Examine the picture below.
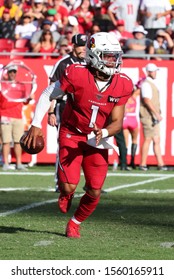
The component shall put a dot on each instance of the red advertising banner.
(134, 68)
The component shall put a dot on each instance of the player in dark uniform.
(77, 56)
(97, 94)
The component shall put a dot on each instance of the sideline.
(109, 174)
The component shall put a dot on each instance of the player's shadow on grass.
(11, 230)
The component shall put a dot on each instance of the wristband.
(105, 133)
(51, 113)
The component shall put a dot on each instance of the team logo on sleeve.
(112, 99)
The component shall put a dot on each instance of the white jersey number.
(93, 115)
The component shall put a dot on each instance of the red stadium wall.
(135, 69)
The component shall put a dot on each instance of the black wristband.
(51, 113)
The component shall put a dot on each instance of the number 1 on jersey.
(93, 115)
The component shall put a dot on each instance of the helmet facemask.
(104, 53)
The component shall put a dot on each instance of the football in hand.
(38, 148)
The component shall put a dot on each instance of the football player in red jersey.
(97, 94)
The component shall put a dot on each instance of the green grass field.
(133, 221)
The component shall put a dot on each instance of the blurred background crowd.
(47, 26)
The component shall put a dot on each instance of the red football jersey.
(86, 103)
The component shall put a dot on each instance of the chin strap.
(93, 60)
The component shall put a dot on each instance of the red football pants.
(74, 154)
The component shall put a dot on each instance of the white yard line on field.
(30, 206)
(154, 191)
(143, 174)
(26, 207)
(14, 189)
(139, 183)
(15, 172)
(109, 174)
(34, 205)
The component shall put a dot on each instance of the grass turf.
(133, 221)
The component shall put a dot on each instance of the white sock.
(75, 221)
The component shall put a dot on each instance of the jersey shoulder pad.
(127, 81)
(74, 69)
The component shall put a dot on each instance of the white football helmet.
(104, 53)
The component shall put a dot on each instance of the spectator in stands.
(127, 10)
(50, 15)
(120, 33)
(38, 10)
(170, 26)
(84, 15)
(163, 44)
(7, 25)
(61, 17)
(46, 25)
(25, 28)
(73, 22)
(150, 117)
(102, 18)
(154, 15)
(95, 28)
(15, 11)
(17, 2)
(62, 49)
(172, 17)
(46, 43)
(68, 34)
(170, 31)
(69, 4)
(26, 5)
(93, 3)
(139, 45)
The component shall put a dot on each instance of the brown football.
(39, 145)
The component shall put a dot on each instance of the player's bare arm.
(117, 116)
(114, 127)
(51, 115)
